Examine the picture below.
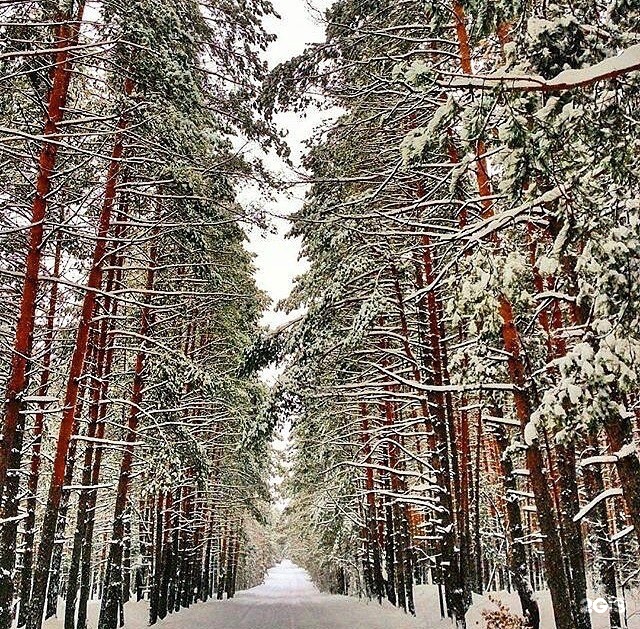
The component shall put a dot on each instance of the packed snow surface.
(288, 600)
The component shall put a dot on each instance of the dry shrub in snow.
(502, 617)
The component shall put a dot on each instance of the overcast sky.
(277, 256)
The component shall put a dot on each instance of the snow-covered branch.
(610, 68)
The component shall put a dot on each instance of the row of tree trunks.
(100, 145)
(66, 431)
(372, 555)
(619, 432)
(551, 543)
(228, 563)
(397, 545)
(565, 482)
(457, 592)
(186, 567)
(66, 34)
(564, 601)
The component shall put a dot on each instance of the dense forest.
(460, 369)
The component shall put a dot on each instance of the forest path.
(289, 600)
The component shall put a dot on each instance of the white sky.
(276, 255)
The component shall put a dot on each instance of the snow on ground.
(286, 600)
(289, 600)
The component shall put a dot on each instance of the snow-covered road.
(289, 600)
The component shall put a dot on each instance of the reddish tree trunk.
(563, 602)
(66, 35)
(95, 430)
(113, 583)
(88, 504)
(567, 500)
(464, 50)
(447, 464)
(34, 469)
(556, 577)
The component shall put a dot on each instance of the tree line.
(134, 455)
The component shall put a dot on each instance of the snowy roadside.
(426, 598)
(287, 599)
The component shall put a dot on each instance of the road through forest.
(288, 600)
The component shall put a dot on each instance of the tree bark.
(66, 35)
(113, 585)
(619, 433)
(34, 470)
(573, 542)
(370, 512)
(95, 429)
(552, 546)
(516, 554)
(154, 599)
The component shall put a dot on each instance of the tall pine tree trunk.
(568, 501)
(552, 546)
(606, 560)
(112, 598)
(371, 511)
(456, 582)
(516, 554)
(82, 543)
(154, 599)
(563, 602)
(89, 497)
(573, 542)
(34, 469)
